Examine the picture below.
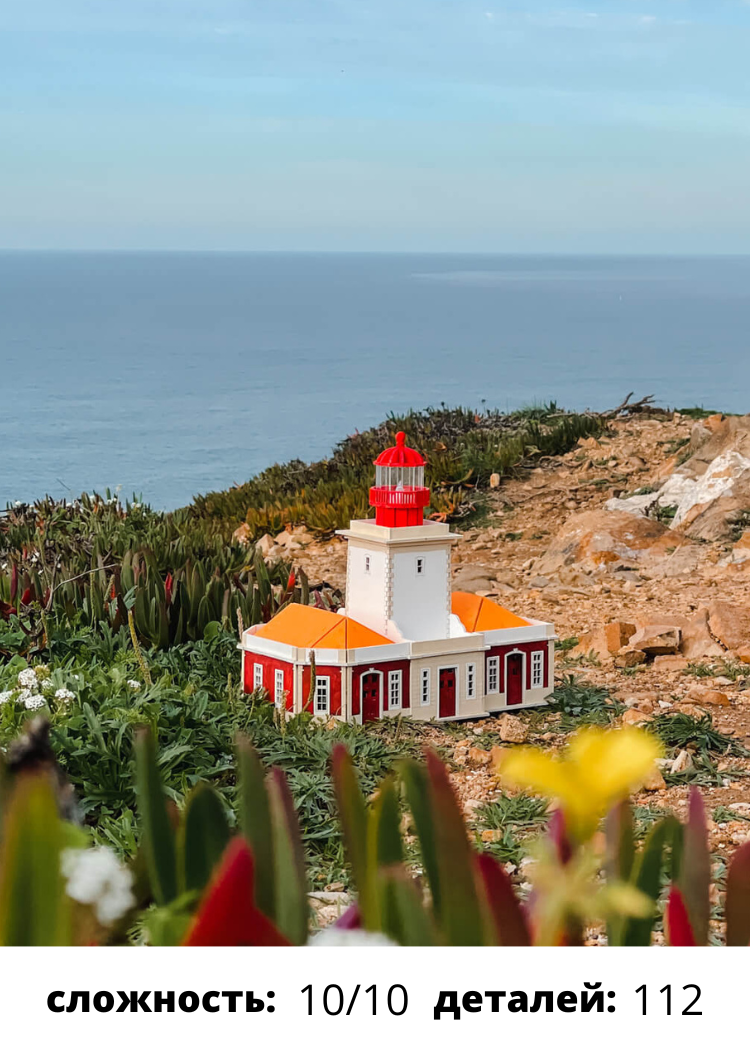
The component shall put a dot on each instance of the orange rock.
(655, 781)
(479, 757)
(618, 634)
(633, 717)
(629, 657)
(657, 639)
(670, 663)
(715, 698)
(730, 624)
(492, 835)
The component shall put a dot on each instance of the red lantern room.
(399, 495)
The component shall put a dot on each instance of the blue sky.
(425, 125)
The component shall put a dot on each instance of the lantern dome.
(399, 494)
(399, 455)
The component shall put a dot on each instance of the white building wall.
(367, 586)
(420, 602)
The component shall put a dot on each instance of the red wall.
(394, 665)
(269, 665)
(524, 647)
(335, 675)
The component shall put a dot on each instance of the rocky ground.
(637, 547)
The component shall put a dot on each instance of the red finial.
(401, 438)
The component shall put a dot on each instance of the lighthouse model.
(404, 644)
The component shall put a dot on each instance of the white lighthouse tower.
(398, 575)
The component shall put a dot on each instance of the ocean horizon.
(171, 373)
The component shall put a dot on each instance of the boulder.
(601, 540)
(479, 757)
(713, 697)
(472, 578)
(657, 640)
(730, 624)
(512, 730)
(670, 663)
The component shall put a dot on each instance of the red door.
(515, 678)
(370, 697)
(447, 700)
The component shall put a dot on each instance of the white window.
(394, 689)
(493, 674)
(322, 694)
(471, 681)
(278, 692)
(419, 564)
(257, 676)
(425, 686)
(537, 669)
(367, 562)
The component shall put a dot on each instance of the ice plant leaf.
(158, 834)
(677, 922)
(461, 913)
(353, 817)
(204, 837)
(417, 786)
(291, 878)
(385, 817)
(403, 916)
(227, 916)
(256, 824)
(34, 910)
(510, 921)
(737, 905)
(646, 877)
(695, 876)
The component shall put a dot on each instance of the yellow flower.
(598, 768)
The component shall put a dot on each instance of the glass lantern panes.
(399, 477)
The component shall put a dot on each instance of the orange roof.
(480, 614)
(306, 627)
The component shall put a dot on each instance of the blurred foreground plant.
(198, 881)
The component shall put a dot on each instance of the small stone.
(494, 481)
(241, 534)
(709, 696)
(265, 544)
(471, 805)
(479, 757)
(630, 657)
(681, 763)
(492, 835)
(633, 717)
(512, 730)
(496, 755)
(655, 781)
(670, 663)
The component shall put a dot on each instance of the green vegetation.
(462, 449)
(579, 703)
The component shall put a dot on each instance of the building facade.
(404, 644)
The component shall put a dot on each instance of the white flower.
(48, 686)
(34, 702)
(64, 696)
(26, 678)
(335, 937)
(96, 877)
(6, 696)
(132, 684)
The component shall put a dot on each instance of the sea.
(167, 374)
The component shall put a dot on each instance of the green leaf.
(204, 835)
(256, 825)
(158, 834)
(404, 917)
(34, 910)
(387, 848)
(291, 878)
(461, 912)
(646, 876)
(353, 817)
(737, 905)
(417, 788)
